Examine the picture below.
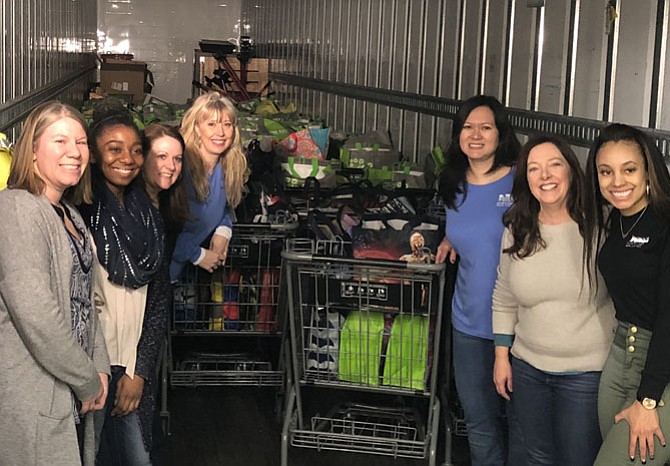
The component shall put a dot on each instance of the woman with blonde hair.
(53, 360)
(215, 177)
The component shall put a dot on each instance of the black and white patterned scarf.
(129, 238)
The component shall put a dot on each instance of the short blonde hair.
(233, 161)
(22, 173)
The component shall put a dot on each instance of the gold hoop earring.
(648, 189)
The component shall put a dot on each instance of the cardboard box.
(124, 77)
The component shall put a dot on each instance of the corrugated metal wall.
(571, 59)
(44, 53)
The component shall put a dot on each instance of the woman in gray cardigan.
(53, 360)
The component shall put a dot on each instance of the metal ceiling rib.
(578, 131)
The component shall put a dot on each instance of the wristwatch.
(648, 403)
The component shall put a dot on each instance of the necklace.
(625, 235)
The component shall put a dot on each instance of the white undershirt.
(121, 313)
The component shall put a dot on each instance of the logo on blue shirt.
(504, 200)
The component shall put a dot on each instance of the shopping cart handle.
(286, 226)
(386, 263)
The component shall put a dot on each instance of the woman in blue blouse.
(215, 177)
(476, 186)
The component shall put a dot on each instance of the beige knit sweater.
(544, 301)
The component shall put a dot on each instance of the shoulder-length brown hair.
(173, 202)
(22, 173)
(523, 217)
(233, 161)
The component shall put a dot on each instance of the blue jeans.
(119, 437)
(558, 415)
(494, 440)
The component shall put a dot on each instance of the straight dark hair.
(597, 217)
(453, 180)
(523, 217)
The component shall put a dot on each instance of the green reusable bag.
(360, 347)
(274, 128)
(297, 169)
(408, 176)
(407, 352)
(373, 156)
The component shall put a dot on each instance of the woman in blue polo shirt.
(476, 186)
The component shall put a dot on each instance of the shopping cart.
(368, 329)
(226, 328)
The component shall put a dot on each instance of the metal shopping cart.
(226, 327)
(367, 328)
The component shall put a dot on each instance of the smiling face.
(216, 134)
(548, 175)
(163, 163)
(479, 136)
(61, 156)
(119, 156)
(622, 176)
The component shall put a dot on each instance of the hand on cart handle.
(445, 250)
(219, 244)
(212, 261)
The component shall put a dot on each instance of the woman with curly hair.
(216, 171)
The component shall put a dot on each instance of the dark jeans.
(495, 440)
(120, 436)
(558, 415)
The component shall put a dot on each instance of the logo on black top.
(637, 241)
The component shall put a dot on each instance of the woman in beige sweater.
(557, 325)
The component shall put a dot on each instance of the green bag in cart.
(407, 353)
(297, 169)
(274, 128)
(373, 156)
(408, 176)
(360, 347)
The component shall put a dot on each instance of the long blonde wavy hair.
(233, 161)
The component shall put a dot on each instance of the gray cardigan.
(41, 363)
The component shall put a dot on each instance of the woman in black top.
(632, 242)
(128, 235)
